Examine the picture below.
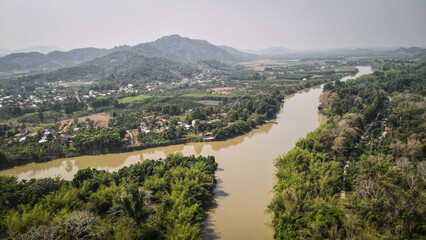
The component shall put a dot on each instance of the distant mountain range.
(37, 62)
(38, 48)
(174, 48)
(177, 49)
(272, 51)
(412, 52)
(280, 53)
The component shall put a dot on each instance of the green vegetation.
(209, 102)
(361, 176)
(163, 199)
(138, 98)
(87, 140)
(207, 95)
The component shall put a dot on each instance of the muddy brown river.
(245, 173)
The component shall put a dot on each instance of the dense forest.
(154, 199)
(361, 175)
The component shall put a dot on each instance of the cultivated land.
(100, 119)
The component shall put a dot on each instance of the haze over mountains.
(121, 66)
(37, 48)
(177, 49)
(272, 51)
(174, 47)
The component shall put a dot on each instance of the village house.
(43, 140)
(125, 141)
(49, 131)
(208, 136)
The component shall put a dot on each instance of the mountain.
(4, 52)
(27, 62)
(182, 49)
(166, 59)
(77, 56)
(38, 48)
(38, 62)
(174, 48)
(241, 55)
(120, 66)
(412, 52)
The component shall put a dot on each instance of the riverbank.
(359, 176)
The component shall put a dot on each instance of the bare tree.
(369, 189)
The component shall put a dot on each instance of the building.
(208, 136)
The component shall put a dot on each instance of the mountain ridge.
(173, 47)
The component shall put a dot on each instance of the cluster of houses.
(20, 100)
(65, 127)
(46, 94)
(22, 136)
(128, 89)
(45, 132)
(161, 121)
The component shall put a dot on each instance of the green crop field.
(134, 99)
(209, 102)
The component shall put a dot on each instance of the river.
(245, 173)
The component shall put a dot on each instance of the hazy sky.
(244, 24)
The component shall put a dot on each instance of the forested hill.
(128, 66)
(362, 175)
(37, 62)
(174, 48)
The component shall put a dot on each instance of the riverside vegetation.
(155, 199)
(361, 175)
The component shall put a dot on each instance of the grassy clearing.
(209, 102)
(208, 95)
(134, 99)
